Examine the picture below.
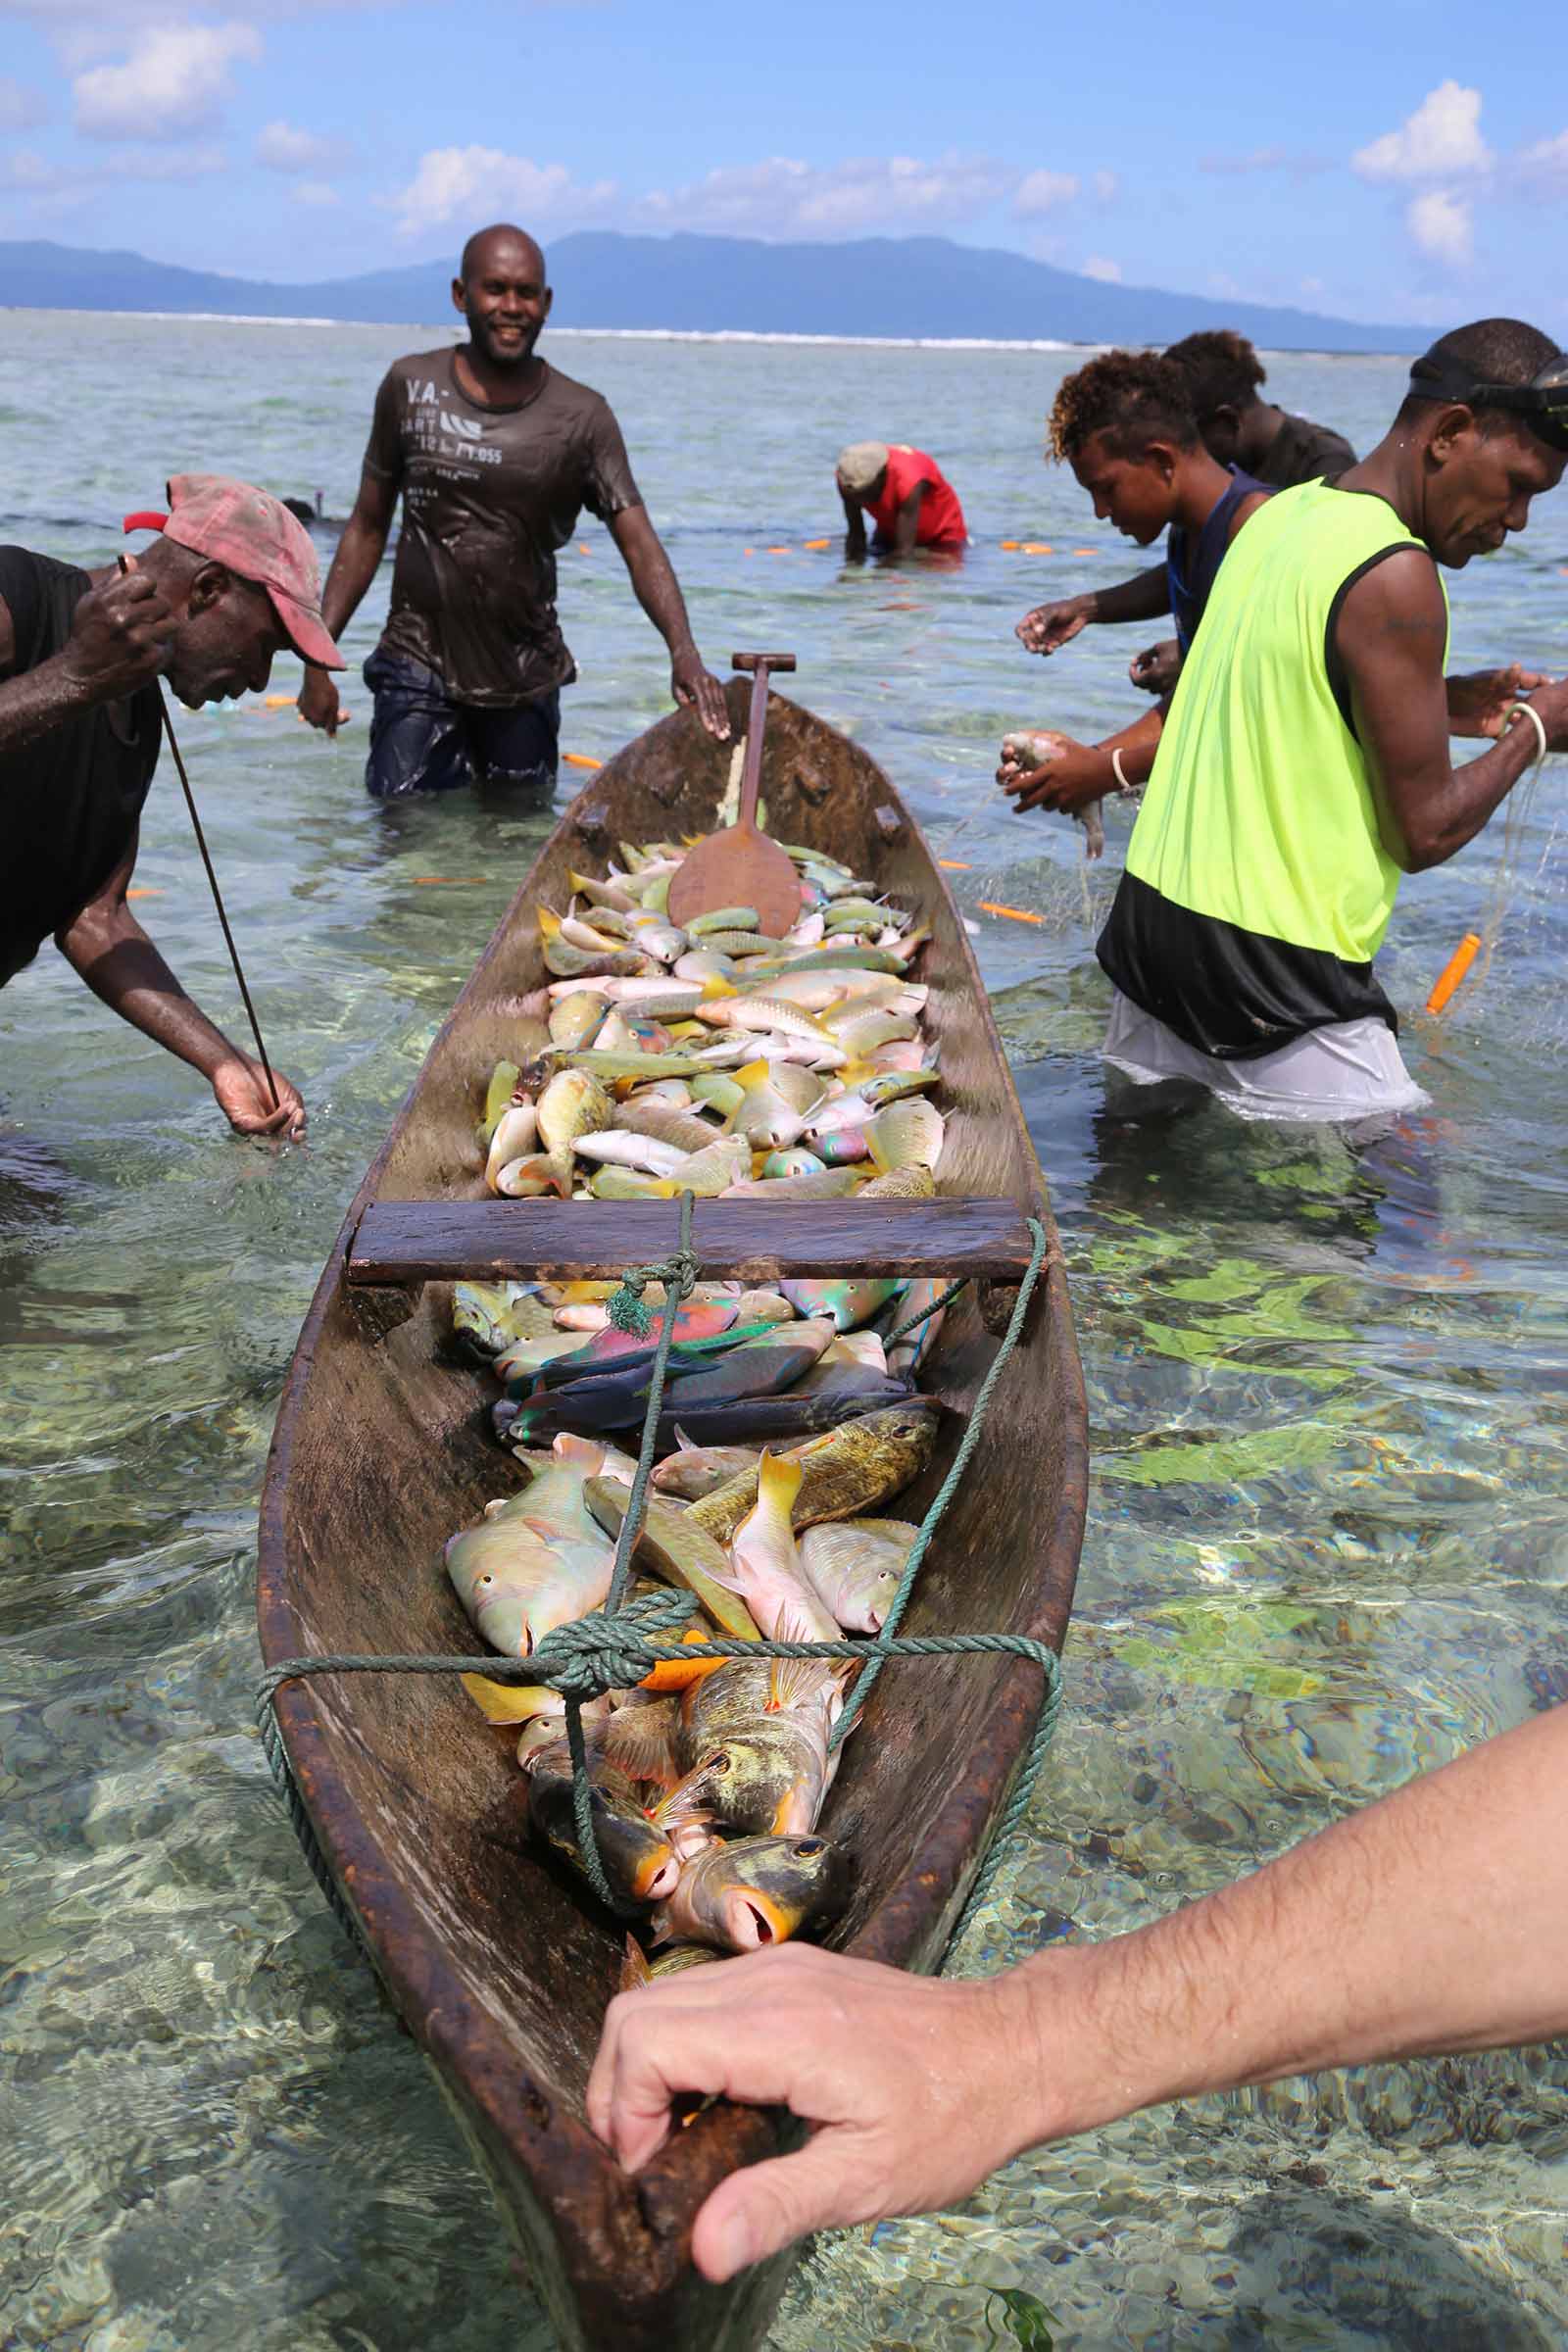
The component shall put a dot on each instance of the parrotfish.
(854, 1567)
(697, 1470)
(746, 1892)
(849, 1301)
(846, 1471)
(536, 1560)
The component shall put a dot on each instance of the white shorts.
(1348, 1070)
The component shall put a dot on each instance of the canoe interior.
(497, 1960)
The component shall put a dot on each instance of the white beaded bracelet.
(1527, 710)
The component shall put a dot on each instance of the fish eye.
(719, 1762)
(804, 1847)
(487, 1580)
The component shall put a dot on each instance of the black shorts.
(421, 741)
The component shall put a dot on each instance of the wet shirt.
(69, 800)
(489, 494)
(1303, 452)
(941, 521)
(1193, 560)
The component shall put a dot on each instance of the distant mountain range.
(875, 286)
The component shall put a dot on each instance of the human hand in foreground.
(1046, 769)
(696, 688)
(317, 704)
(1158, 668)
(243, 1098)
(1048, 627)
(121, 634)
(897, 2073)
(1479, 701)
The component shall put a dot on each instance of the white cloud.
(1109, 272)
(284, 148)
(317, 193)
(173, 81)
(54, 186)
(483, 180)
(19, 107)
(1441, 141)
(781, 198)
(1042, 192)
(1438, 221)
(1548, 160)
(1105, 186)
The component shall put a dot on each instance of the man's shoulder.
(567, 391)
(422, 367)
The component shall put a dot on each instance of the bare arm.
(906, 521)
(354, 565)
(853, 528)
(653, 576)
(1390, 635)
(1050, 626)
(120, 636)
(1435, 1919)
(120, 964)
(1071, 776)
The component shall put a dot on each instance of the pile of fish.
(717, 1062)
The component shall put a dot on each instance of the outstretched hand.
(695, 687)
(240, 1087)
(898, 2075)
(1048, 627)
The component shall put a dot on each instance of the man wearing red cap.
(230, 581)
(494, 454)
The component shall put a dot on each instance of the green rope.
(593, 1654)
(924, 1316)
(949, 1485)
(616, 1649)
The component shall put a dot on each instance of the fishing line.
(212, 879)
(1518, 810)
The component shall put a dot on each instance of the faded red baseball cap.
(257, 537)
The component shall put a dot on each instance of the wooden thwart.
(757, 1240)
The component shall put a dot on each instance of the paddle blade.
(738, 867)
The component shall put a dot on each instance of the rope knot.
(599, 1653)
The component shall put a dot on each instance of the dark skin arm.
(121, 634)
(1048, 627)
(853, 528)
(120, 964)
(1390, 636)
(906, 521)
(1077, 774)
(354, 566)
(659, 593)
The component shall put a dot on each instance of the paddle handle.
(759, 665)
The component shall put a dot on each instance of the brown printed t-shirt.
(488, 496)
(1303, 452)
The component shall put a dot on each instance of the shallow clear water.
(1329, 1394)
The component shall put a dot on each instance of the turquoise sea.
(1328, 1541)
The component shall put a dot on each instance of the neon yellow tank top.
(1261, 810)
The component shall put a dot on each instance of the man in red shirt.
(907, 495)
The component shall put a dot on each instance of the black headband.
(1543, 403)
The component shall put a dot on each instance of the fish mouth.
(656, 1876)
(754, 1921)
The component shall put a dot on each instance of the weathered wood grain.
(495, 1959)
(420, 1240)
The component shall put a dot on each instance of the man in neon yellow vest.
(1304, 764)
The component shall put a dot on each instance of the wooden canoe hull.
(499, 1964)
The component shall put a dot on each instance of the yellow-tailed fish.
(764, 1566)
(576, 1020)
(492, 1317)
(609, 893)
(504, 1079)
(863, 1032)
(907, 1135)
(701, 964)
(747, 1892)
(854, 1567)
(516, 1133)
(534, 1173)
(899, 1059)
(890, 1086)
(718, 1091)
(776, 1103)
(578, 934)
(754, 1742)
(624, 1184)
(680, 1556)
(844, 1472)
(538, 1559)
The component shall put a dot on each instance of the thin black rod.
(218, 896)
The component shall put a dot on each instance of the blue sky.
(1383, 161)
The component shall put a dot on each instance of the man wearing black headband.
(1305, 765)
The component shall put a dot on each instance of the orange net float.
(579, 759)
(1454, 970)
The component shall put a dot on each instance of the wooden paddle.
(741, 867)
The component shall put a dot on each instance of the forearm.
(354, 567)
(41, 699)
(658, 591)
(1143, 598)
(1437, 819)
(1435, 1919)
(120, 965)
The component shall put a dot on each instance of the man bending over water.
(230, 582)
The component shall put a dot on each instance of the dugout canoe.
(499, 1965)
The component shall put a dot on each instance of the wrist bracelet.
(1124, 785)
(1528, 710)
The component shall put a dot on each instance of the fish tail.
(778, 1482)
(635, 1972)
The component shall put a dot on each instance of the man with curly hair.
(1124, 423)
(1306, 767)
(1223, 375)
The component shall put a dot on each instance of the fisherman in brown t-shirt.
(495, 453)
